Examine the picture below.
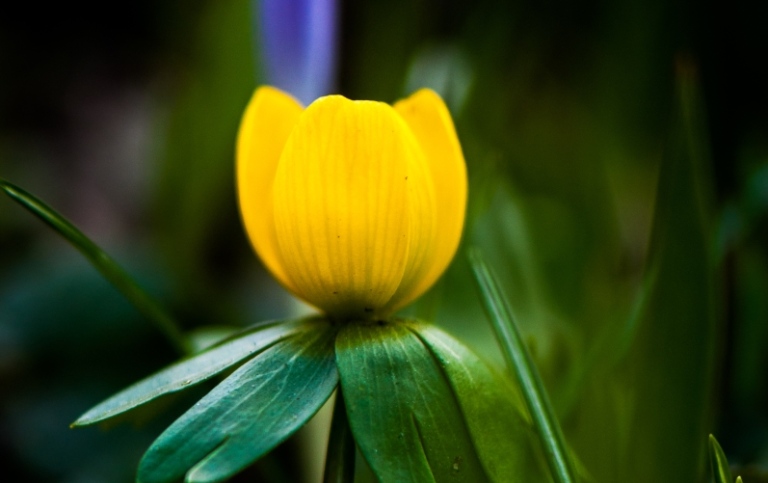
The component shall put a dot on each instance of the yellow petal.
(423, 232)
(268, 120)
(345, 202)
(429, 120)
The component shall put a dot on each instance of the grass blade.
(721, 472)
(519, 360)
(115, 274)
(669, 369)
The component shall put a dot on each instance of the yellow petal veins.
(355, 206)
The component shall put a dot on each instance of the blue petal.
(297, 40)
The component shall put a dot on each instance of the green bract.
(421, 406)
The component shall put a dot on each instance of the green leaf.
(402, 411)
(519, 360)
(668, 371)
(340, 459)
(103, 263)
(253, 410)
(720, 469)
(493, 408)
(186, 373)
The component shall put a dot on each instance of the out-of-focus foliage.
(569, 116)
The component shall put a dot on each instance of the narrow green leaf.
(253, 410)
(667, 372)
(493, 408)
(103, 263)
(721, 472)
(340, 459)
(520, 362)
(198, 368)
(402, 411)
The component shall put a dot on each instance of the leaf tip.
(80, 422)
(89, 418)
(714, 446)
(6, 186)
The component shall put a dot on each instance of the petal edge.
(430, 121)
(267, 122)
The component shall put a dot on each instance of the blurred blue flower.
(297, 42)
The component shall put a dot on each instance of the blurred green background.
(618, 161)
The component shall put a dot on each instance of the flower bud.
(357, 207)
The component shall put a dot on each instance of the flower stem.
(340, 459)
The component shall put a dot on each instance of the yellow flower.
(357, 207)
